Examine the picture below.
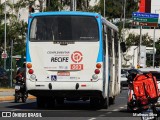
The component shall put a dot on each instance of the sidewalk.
(8, 95)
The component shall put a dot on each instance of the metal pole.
(124, 12)
(134, 55)
(72, 5)
(5, 37)
(75, 5)
(11, 61)
(104, 8)
(154, 46)
(139, 55)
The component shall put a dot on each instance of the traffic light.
(123, 46)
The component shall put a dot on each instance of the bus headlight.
(33, 77)
(94, 76)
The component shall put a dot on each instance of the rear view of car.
(124, 78)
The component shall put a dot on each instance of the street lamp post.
(5, 37)
(154, 42)
(134, 55)
(124, 12)
(104, 8)
(74, 5)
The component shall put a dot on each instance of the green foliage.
(114, 8)
(15, 29)
(134, 40)
(54, 5)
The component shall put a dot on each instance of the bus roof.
(65, 13)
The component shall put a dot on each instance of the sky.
(155, 6)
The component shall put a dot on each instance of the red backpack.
(145, 89)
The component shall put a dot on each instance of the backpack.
(145, 89)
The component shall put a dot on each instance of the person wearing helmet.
(21, 81)
(132, 73)
(22, 70)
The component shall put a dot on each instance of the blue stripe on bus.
(100, 52)
(28, 58)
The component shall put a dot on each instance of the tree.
(16, 29)
(114, 10)
(56, 5)
(133, 40)
(53, 5)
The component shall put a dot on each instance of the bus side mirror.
(123, 46)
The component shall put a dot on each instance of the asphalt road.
(71, 109)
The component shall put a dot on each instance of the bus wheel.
(111, 100)
(50, 102)
(104, 103)
(40, 102)
(95, 102)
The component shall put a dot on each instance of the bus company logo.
(6, 114)
(77, 57)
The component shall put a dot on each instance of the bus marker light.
(97, 71)
(94, 77)
(98, 65)
(96, 16)
(29, 65)
(30, 71)
(83, 85)
(33, 77)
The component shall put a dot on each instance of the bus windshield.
(64, 28)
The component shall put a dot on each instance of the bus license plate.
(17, 87)
(76, 66)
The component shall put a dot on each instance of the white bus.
(72, 56)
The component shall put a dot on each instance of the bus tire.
(111, 100)
(95, 103)
(50, 102)
(104, 103)
(40, 102)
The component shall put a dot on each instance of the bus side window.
(109, 36)
(104, 38)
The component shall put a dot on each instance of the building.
(145, 6)
(132, 59)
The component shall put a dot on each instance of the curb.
(10, 98)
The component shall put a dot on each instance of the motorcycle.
(20, 89)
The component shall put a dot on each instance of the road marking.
(92, 119)
(15, 109)
(115, 110)
(121, 107)
(121, 97)
(101, 115)
(108, 112)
